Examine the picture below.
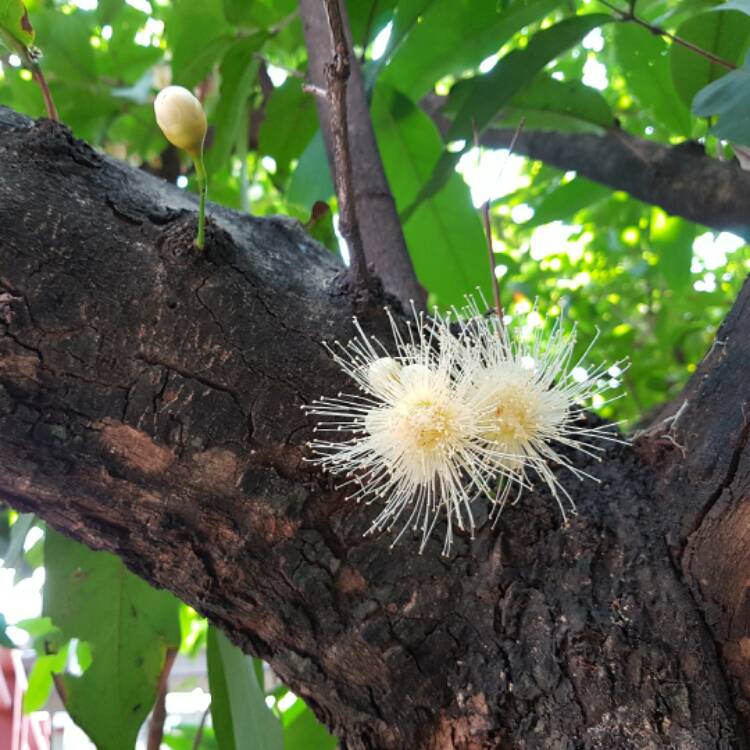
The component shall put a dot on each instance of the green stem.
(200, 173)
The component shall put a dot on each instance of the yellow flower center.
(430, 424)
(514, 420)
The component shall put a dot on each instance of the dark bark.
(149, 405)
(681, 179)
(382, 235)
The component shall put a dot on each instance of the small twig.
(49, 104)
(199, 732)
(159, 714)
(629, 15)
(337, 75)
(311, 88)
(487, 224)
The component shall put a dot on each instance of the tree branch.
(149, 406)
(337, 75)
(382, 235)
(681, 179)
(159, 713)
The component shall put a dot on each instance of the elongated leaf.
(565, 201)
(549, 104)
(453, 36)
(15, 28)
(238, 75)
(644, 58)
(742, 5)
(18, 532)
(478, 101)
(729, 98)
(444, 234)
(487, 94)
(128, 626)
(311, 180)
(288, 126)
(726, 35)
(257, 13)
(199, 36)
(241, 719)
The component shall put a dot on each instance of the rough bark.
(681, 179)
(149, 405)
(382, 234)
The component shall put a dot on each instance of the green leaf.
(18, 532)
(485, 96)
(198, 35)
(40, 678)
(241, 719)
(479, 100)
(68, 54)
(368, 17)
(37, 627)
(741, 5)
(15, 28)
(311, 180)
(549, 104)
(289, 124)
(644, 59)
(185, 735)
(257, 13)
(672, 239)
(729, 99)
(128, 626)
(238, 76)
(444, 234)
(453, 36)
(320, 226)
(302, 731)
(565, 201)
(726, 35)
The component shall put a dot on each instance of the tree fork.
(149, 406)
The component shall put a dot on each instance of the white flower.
(449, 415)
(530, 393)
(413, 438)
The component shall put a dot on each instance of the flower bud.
(181, 118)
(383, 375)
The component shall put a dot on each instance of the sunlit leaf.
(644, 58)
(453, 36)
(444, 234)
(15, 27)
(729, 99)
(726, 35)
(128, 625)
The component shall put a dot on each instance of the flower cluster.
(455, 411)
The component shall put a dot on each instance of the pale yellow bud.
(181, 118)
(383, 375)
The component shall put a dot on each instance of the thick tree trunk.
(149, 405)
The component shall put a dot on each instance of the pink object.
(18, 731)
